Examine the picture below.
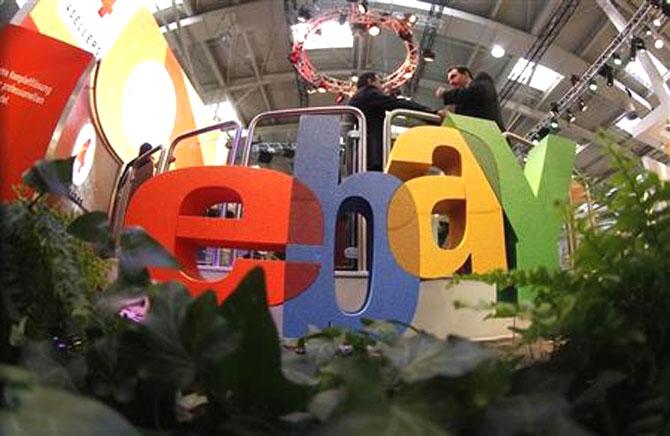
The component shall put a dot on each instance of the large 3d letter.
(392, 293)
(276, 210)
(462, 193)
(530, 196)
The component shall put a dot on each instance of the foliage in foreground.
(608, 314)
(195, 367)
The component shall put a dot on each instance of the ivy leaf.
(50, 176)
(55, 412)
(181, 339)
(544, 414)
(139, 251)
(251, 377)
(93, 227)
(423, 357)
(361, 405)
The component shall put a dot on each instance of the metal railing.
(361, 161)
(121, 193)
(388, 122)
(321, 110)
(226, 125)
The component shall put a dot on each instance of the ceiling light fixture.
(374, 30)
(616, 59)
(497, 51)
(554, 123)
(582, 105)
(593, 84)
(658, 43)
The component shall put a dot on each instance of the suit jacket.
(374, 103)
(478, 99)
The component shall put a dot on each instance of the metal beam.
(257, 74)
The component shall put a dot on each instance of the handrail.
(226, 125)
(361, 158)
(390, 115)
(320, 110)
(518, 138)
(120, 196)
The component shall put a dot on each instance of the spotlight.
(363, 7)
(647, 30)
(374, 30)
(582, 105)
(304, 14)
(408, 74)
(657, 22)
(411, 18)
(354, 78)
(322, 89)
(342, 19)
(608, 73)
(497, 51)
(658, 44)
(554, 123)
(405, 35)
(570, 117)
(554, 108)
(616, 59)
(638, 43)
(428, 55)
(574, 79)
(593, 85)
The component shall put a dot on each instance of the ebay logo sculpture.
(482, 186)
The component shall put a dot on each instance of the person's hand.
(442, 113)
(439, 91)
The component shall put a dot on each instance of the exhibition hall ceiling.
(236, 54)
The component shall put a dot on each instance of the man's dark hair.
(365, 79)
(144, 148)
(461, 69)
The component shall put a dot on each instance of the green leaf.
(251, 378)
(544, 414)
(382, 330)
(361, 405)
(181, 339)
(139, 251)
(47, 411)
(93, 227)
(423, 356)
(50, 176)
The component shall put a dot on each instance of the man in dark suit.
(474, 97)
(371, 99)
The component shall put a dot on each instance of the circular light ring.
(384, 20)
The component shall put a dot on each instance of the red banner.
(38, 75)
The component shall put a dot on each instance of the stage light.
(658, 44)
(428, 55)
(321, 89)
(608, 73)
(657, 22)
(616, 59)
(554, 108)
(342, 19)
(570, 117)
(638, 43)
(354, 78)
(304, 14)
(411, 18)
(574, 79)
(408, 74)
(647, 30)
(497, 51)
(363, 7)
(582, 105)
(374, 30)
(554, 123)
(593, 85)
